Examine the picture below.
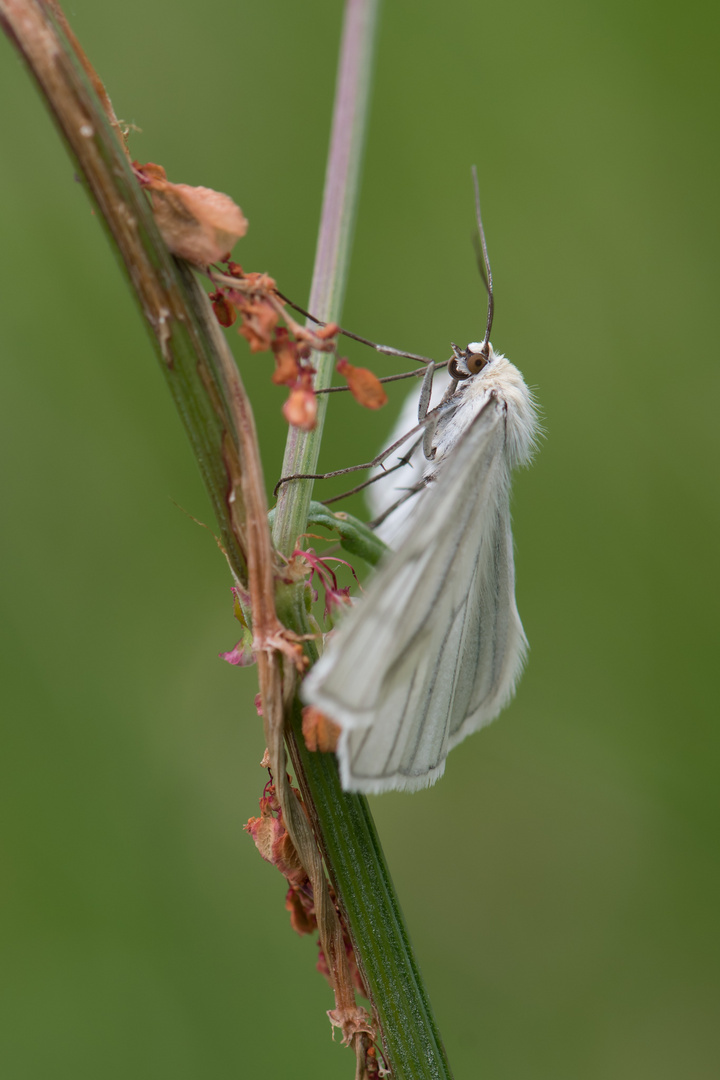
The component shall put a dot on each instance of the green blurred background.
(561, 882)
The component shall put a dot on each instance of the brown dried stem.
(209, 395)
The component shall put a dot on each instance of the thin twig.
(340, 199)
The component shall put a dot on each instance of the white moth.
(434, 648)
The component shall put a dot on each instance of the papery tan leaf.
(363, 384)
(197, 223)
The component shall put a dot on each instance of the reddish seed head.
(364, 386)
(325, 332)
(259, 320)
(287, 370)
(319, 732)
(300, 409)
(224, 311)
(302, 919)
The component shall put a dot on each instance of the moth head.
(467, 362)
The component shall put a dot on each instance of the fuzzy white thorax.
(502, 380)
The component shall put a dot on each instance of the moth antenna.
(475, 240)
(486, 259)
(386, 350)
(416, 374)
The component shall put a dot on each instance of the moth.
(433, 649)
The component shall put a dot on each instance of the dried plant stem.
(270, 643)
(210, 398)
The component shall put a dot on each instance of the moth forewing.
(435, 646)
(385, 493)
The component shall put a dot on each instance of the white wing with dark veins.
(435, 646)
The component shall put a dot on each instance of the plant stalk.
(210, 399)
(342, 822)
(332, 255)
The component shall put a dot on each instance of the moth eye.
(476, 362)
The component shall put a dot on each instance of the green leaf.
(355, 536)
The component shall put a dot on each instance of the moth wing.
(494, 644)
(434, 648)
(381, 496)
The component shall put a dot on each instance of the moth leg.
(357, 468)
(430, 418)
(423, 402)
(420, 486)
(425, 392)
(404, 460)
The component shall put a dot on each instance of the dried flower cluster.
(308, 564)
(202, 226)
(267, 326)
(305, 566)
(274, 844)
